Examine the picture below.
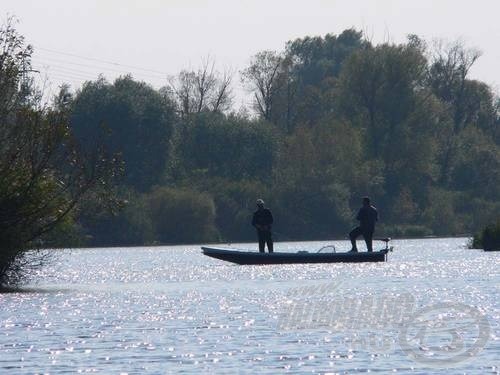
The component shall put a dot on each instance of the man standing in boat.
(367, 217)
(262, 220)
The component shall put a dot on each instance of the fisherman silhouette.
(262, 220)
(367, 216)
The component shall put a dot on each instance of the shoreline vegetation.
(333, 118)
(254, 243)
(488, 239)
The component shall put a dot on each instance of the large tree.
(44, 174)
(130, 118)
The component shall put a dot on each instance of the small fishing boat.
(248, 257)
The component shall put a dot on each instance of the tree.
(314, 178)
(477, 165)
(215, 145)
(203, 90)
(44, 174)
(130, 118)
(262, 78)
(379, 87)
(296, 88)
(448, 80)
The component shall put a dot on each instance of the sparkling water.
(433, 307)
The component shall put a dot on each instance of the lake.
(433, 307)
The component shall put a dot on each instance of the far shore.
(465, 236)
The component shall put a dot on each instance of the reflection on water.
(170, 309)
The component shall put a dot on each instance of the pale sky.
(161, 37)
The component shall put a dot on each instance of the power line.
(100, 60)
(64, 76)
(94, 67)
(56, 68)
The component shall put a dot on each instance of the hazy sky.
(166, 36)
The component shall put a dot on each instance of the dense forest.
(334, 118)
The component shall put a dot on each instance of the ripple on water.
(148, 310)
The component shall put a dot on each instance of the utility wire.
(56, 68)
(43, 60)
(100, 60)
(67, 76)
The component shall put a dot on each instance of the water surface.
(171, 309)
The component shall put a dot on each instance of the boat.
(247, 257)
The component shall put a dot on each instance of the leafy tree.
(262, 78)
(43, 173)
(312, 177)
(379, 88)
(448, 78)
(441, 214)
(316, 63)
(295, 87)
(131, 119)
(231, 147)
(477, 168)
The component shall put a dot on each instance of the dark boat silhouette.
(247, 257)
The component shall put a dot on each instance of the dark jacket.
(367, 217)
(262, 218)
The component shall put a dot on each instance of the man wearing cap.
(262, 221)
(367, 217)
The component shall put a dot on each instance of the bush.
(181, 215)
(129, 226)
(235, 203)
(488, 239)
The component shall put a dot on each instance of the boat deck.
(252, 258)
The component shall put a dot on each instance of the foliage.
(43, 173)
(488, 239)
(212, 144)
(334, 118)
(181, 215)
(129, 118)
(235, 203)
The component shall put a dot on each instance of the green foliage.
(235, 203)
(336, 118)
(43, 175)
(109, 225)
(181, 215)
(130, 118)
(488, 239)
(442, 215)
(477, 164)
(212, 144)
(322, 57)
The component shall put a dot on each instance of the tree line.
(333, 118)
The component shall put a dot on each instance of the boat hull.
(253, 258)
